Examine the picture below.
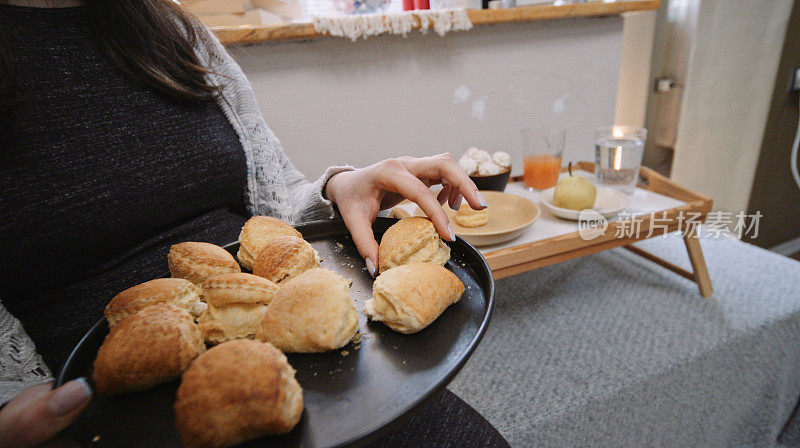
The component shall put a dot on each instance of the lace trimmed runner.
(365, 25)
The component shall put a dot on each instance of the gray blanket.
(612, 350)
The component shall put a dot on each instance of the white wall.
(729, 85)
(332, 101)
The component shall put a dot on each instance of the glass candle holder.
(618, 156)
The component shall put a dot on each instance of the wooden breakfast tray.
(658, 206)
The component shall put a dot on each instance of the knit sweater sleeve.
(20, 365)
(275, 187)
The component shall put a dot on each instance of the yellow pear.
(574, 193)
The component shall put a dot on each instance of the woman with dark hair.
(125, 128)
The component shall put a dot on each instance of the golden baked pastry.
(237, 391)
(285, 257)
(412, 240)
(255, 234)
(312, 312)
(174, 291)
(236, 304)
(466, 216)
(408, 298)
(199, 261)
(149, 347)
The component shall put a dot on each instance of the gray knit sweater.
(274, 187)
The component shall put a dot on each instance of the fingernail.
(457, 202)
(371, 267)
(481, 199)
(69, 396)
(452, 234)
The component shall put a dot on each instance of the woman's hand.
(362, 193)
(38, 413)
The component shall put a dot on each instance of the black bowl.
(495, 182)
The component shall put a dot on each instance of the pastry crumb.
(345, 352)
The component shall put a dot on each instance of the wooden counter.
(248, 34)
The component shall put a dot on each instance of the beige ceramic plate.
(509, 216)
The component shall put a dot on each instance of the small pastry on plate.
(174, 291)
(198, 261)
(150, 347)
(255, 234)
(466, 216)
(237, 391)
(236, 304)
(285, 257)
(412, 240)
(410, 297)
(312, 312)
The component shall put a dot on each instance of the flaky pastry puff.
(312, 312)
(237, 391)
(149, 347)
(198, 261)
(410, 297)
(255, 234)
(412, 240)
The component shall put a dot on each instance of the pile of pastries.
(243, 386)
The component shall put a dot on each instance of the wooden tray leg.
(699, 267)
(700, 274)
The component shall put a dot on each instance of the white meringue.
(489, 168)
(468, 165)
(478, 155)
(502, 158)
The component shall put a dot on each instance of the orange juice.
(541, 171)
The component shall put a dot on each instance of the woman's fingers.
(455, 199)
(445, 167)
(443, 195)
(360, 193)
(38, 413)
(403, 182)
(359, 223)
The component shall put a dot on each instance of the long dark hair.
(154, 42)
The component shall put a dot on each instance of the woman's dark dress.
(100, 175)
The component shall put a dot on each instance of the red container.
(408, 5)
(421, 4)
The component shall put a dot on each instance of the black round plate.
(351, 395)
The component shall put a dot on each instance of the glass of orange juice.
(541, 157)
